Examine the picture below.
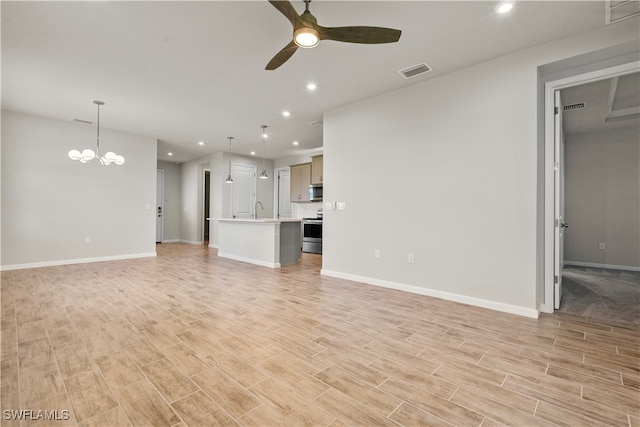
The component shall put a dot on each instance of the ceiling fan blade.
(286, 8)
(365, 35)
(282, 56)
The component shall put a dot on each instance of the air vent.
(416, 70)
(571, 107)
(86, 122)
(617, 10)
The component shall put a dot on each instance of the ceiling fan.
(307, 33)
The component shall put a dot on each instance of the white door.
(244, 191)
(159, 204)
(559, 222)
(284, 194)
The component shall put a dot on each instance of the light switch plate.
(341, 206)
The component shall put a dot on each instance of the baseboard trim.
(75, 261)
(607, 266)
(171, 241)
(478, 302)
(192, 242)
(249, 260)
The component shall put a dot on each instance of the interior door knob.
(564, 225)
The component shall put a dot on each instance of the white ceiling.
(612, 102)
(185, 72)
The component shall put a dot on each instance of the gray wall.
(191, 179)
(50, 204)
(449, 172)
(602, 198)
(184, 216)
(172, 201)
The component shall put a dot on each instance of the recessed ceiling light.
(170, 154)
(296, 143)
(312, 86)
(253, 153)
(200, 143)
(286, 113)
(504, 7)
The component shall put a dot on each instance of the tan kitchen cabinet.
(300, 181)
(316, 170)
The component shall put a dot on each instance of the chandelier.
(88, 154)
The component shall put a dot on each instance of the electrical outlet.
(376, 253)
(602, 246)
(410, 257)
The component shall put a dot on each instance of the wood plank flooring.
(190, 339)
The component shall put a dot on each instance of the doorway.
(555, 223)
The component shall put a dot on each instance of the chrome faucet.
(255, 209)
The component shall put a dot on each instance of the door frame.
(276, 190)
(159, 204)
(550, 228)
(558, 189)
(205, 222)
(253, 190)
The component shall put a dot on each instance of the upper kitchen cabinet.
(300, 181)
(316, 169)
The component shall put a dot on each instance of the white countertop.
(259, 220)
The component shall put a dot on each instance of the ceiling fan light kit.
(88, 154)
(307, 33)
(306, 37)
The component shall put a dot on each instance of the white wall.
(172, 201)
(50, 203)
(602, 198)
(449, 172)
(301, 158)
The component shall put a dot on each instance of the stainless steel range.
(312, 234)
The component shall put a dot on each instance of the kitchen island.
(268, 242)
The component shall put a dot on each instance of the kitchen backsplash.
(306, 210)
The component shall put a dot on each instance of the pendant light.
(88, 154)
(229, 180)
(263, 174)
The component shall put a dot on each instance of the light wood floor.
(189, 339)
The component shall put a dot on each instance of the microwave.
(315, 193)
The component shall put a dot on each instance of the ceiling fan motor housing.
(307, 33)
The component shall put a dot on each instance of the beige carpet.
(611, 296)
